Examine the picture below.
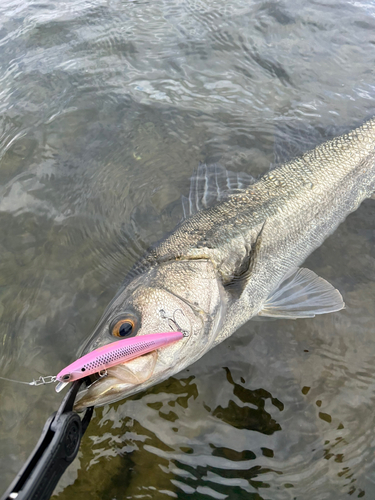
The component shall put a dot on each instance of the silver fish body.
(238, 257)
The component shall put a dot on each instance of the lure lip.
(112, 354)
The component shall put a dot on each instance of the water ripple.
(106, 110)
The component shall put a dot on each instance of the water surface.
(106, 110)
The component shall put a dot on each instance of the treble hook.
(172, 322)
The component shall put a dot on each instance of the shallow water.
(106, 110)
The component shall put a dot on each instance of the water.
(106, 110)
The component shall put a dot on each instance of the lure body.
(114, 354)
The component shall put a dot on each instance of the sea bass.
(234, 256)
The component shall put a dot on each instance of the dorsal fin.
(211, 184)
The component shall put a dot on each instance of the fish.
(236, 255)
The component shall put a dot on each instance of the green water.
(106, 110)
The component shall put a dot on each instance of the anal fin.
(302, 294)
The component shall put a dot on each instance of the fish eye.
(123, 327)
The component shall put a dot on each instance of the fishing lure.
(113, 354)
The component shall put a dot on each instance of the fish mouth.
(119, 381)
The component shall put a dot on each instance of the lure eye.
(123, 327)
(66, 377)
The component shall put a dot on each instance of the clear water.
(106, 109)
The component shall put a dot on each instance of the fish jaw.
(125, 377)
(184, 296)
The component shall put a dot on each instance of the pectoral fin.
(241, 275)
(302, 294)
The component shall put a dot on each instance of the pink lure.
(114, 354)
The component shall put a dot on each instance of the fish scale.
(236, 254)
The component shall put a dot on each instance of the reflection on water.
(247, 417)
(106, 110)
(181, 466)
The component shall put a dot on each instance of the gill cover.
(180, 295)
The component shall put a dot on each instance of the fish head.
(180, 295)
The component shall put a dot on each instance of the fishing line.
(49, 379)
